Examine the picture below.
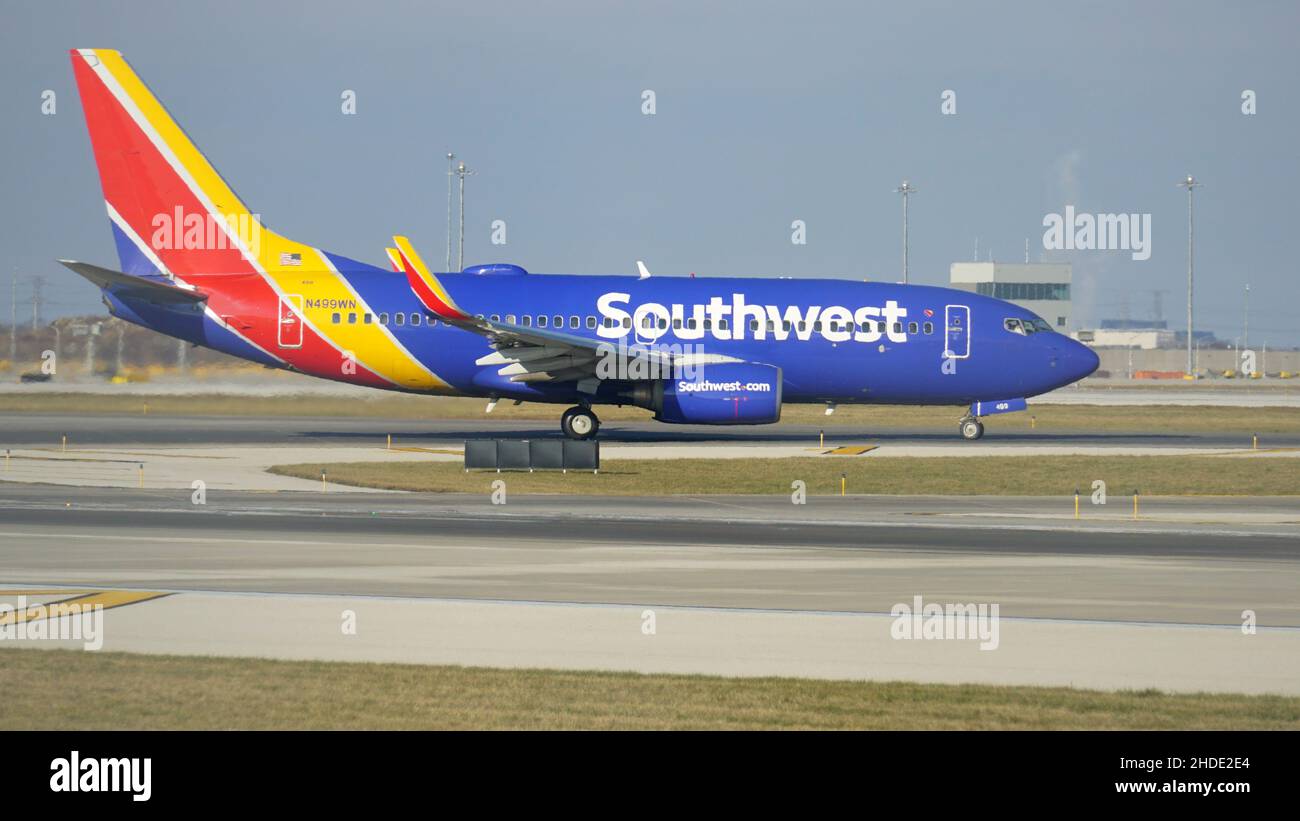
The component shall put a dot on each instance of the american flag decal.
(291, 259)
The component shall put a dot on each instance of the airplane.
(199, 265)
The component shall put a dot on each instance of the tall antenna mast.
(905, 189)
(462, 172)
(450, 171)
(1191, 185)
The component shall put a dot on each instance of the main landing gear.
(579, 423)
(971, 428)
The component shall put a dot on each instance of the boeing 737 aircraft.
(197, 264)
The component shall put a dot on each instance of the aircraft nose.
(1078, 360)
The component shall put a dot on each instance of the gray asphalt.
(86, 429)
(852, 555)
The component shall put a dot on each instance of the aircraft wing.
(522, 354)
(120, 284)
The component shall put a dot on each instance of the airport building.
(1146, 335)
(1043, 288)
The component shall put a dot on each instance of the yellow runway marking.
(850, 450)
(77, 602)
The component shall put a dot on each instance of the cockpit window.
(1041, 325)
(1013, 325)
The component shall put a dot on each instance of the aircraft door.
(290, 323)
(957, 333)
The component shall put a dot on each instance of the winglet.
(395, 259)
(644, 272)
(425, 284)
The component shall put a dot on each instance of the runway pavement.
(736, 585)
(89, 429)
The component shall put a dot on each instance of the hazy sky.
(765, 113)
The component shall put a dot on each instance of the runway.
(95, 430)
(1192, 562)
(739, 585)
(729, 585)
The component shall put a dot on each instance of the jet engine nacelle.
(721, 394)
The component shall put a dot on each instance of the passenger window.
(786, 325)
(627, 322)
(559, 321)
(415, 319)
(496, 317)
(802, 325)
(368, 318)
(335, 319)
(510, 318)
(677, 324)
(929, 328)
(753, 324)
(708, 324)
(528, 321)
(574, 322)
(912, 327)
(383, 318)
(399, 319)
(352, 319)
(541, 321)
(591, 322)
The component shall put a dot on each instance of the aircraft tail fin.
(171, 212)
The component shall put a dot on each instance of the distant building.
(1146, 339)
(1143, 334)
(1043, 288)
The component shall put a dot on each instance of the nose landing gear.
(971, 429)
(579, 423)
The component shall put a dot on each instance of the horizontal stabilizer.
(120, 284)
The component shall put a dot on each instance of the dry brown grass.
(954, 475)
(128, 691)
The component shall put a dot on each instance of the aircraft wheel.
(579, 423)
(564, 420)
(971, 429)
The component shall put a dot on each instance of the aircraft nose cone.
(1078, 360)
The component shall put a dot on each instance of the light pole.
(450, 172)
(462, 172)
(905, 189)
(13, 320)
(1245, 328)
(1191, 185)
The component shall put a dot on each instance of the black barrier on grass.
(532, 454)
(481, 453)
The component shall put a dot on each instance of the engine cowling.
(721, 394)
